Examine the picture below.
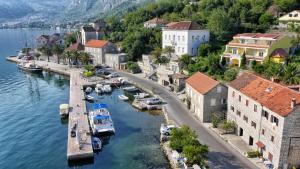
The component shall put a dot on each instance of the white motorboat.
(106, 89)
(97, 144)
(98, 88)
(141, 95)
(64, 110)
(88, 90)
(123, 97)
(89, 98)
(100, 120)
(153, 100)
(30, 67)
(130, 88)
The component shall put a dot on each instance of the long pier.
(80, 146)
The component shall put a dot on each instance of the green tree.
(45, 50)
(204, 50)
(291, 74)
(195, 154)
(286, 5)
(230, 74)
(243, 61)
(67, 55)
(75, 56)
(37, 55)
(169, 50)
(57, 50)
(85, 58)
(186, 60)
(70, 39)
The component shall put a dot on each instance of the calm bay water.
(33, 136)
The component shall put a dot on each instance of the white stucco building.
(267, 118)
(185, 37)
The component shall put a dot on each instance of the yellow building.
(257, 46)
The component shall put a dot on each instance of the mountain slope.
(59, 10)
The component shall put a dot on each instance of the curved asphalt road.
(221, 155)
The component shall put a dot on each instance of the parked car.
(112, 75)
(166, 129)
(153, 100)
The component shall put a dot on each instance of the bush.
(215, 121)
(132, 66)
(185, 140)
(230, 74)
(253, 154)
(88, 73)
(227, 126)
(89, 68)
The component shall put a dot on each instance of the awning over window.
(260, 144)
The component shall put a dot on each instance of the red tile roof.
(271, 95)
(157, 21)
(96, 43)
(259, 35)
(280, 53)
(201, 82)
(184, 25)
(76, 47)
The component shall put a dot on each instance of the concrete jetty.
(79, 147)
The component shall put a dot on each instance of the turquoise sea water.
(33, 136)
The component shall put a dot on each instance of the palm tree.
(46, 51)
(156, 53)
(291, 74)
(75, 56)
(37, 55)
(57, 50)
(67, 55)
(84, 58)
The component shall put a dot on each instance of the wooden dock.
(79, 147)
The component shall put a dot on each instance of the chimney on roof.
(293, 103)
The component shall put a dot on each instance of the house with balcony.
(292, 17)
(155, 23)
(185, 37)
(207, 97)
(267, 117)
(257, 47)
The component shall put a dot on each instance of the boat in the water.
(106, 89)
(100, 119)
(141, 95)
(123, 97)
(88, 90)
(98, 88)
(30, 67)
(130, 89)
(89, 98)
(64, 110)
(97, 144)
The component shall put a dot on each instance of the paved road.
(221, 155)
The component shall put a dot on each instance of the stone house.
(89, 33)
(267, 118)
(147, 64)
(155, 23)
(205, 96)
(42, 40)
(115, 60)
(98, 48)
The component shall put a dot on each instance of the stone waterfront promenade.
(80, 146)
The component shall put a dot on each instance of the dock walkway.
(80, 146)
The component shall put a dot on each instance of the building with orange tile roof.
(267, 117)
(256, 47)
(155, 23)
(98, 48)
(206, 96)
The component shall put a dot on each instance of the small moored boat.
(88, 90)
(64, 110)
(97, 144)
(123, 97)
(30, 67)
(89, 98)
